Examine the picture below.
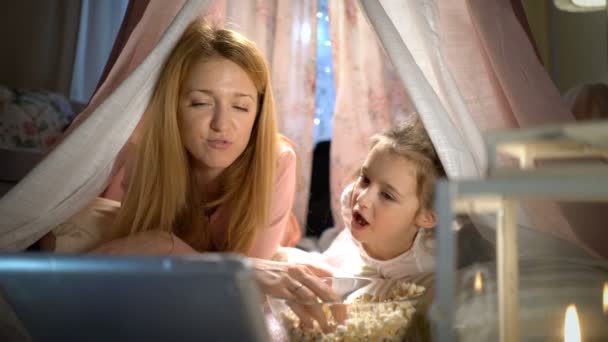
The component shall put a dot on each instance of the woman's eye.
(242, 109)
(199, 104)
(387, 196)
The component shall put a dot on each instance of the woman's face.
(217, 110)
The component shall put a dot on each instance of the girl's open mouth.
(359, 220)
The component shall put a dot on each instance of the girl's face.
(386, 211)
(217, 110)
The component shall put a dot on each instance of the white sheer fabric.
(414, 47)
(470, 68)
(49, 195)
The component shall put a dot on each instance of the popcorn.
(370, 318)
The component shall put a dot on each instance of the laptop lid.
(211, 297)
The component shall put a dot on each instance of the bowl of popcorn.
(370, 310)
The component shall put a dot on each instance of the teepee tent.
(449, 55)
(45, 197)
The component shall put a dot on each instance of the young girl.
(387, 211)
(388, 236)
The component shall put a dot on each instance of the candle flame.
(605, 298)
(572, 329)
(478, 282)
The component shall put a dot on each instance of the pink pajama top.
(85, 230)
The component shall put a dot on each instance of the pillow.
(32, 119)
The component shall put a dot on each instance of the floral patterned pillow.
(32, 119)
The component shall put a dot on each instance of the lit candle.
(605, 298)
(572, 329)
(478, 285)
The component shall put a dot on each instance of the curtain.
(369, 94)
(109, 124)
(467, 65)
(285, 31)
(470, 68)
(142, 40)
(99, 24)
(133, 14)
(293, 68)
(79, 168)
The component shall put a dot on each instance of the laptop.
(50, 297)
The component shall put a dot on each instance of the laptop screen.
(211, 297)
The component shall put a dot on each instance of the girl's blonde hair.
(162, 193)
(410, 140)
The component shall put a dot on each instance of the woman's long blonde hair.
(162, 193)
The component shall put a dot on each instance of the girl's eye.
(242, 109)
(363, 179)
(387, 196)
(199, 104)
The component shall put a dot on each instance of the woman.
(211, 173)
(210, 167)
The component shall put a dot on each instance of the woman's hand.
(301, 286)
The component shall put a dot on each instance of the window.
(325, 93)
(319, 208)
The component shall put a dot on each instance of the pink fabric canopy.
(467, 66)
